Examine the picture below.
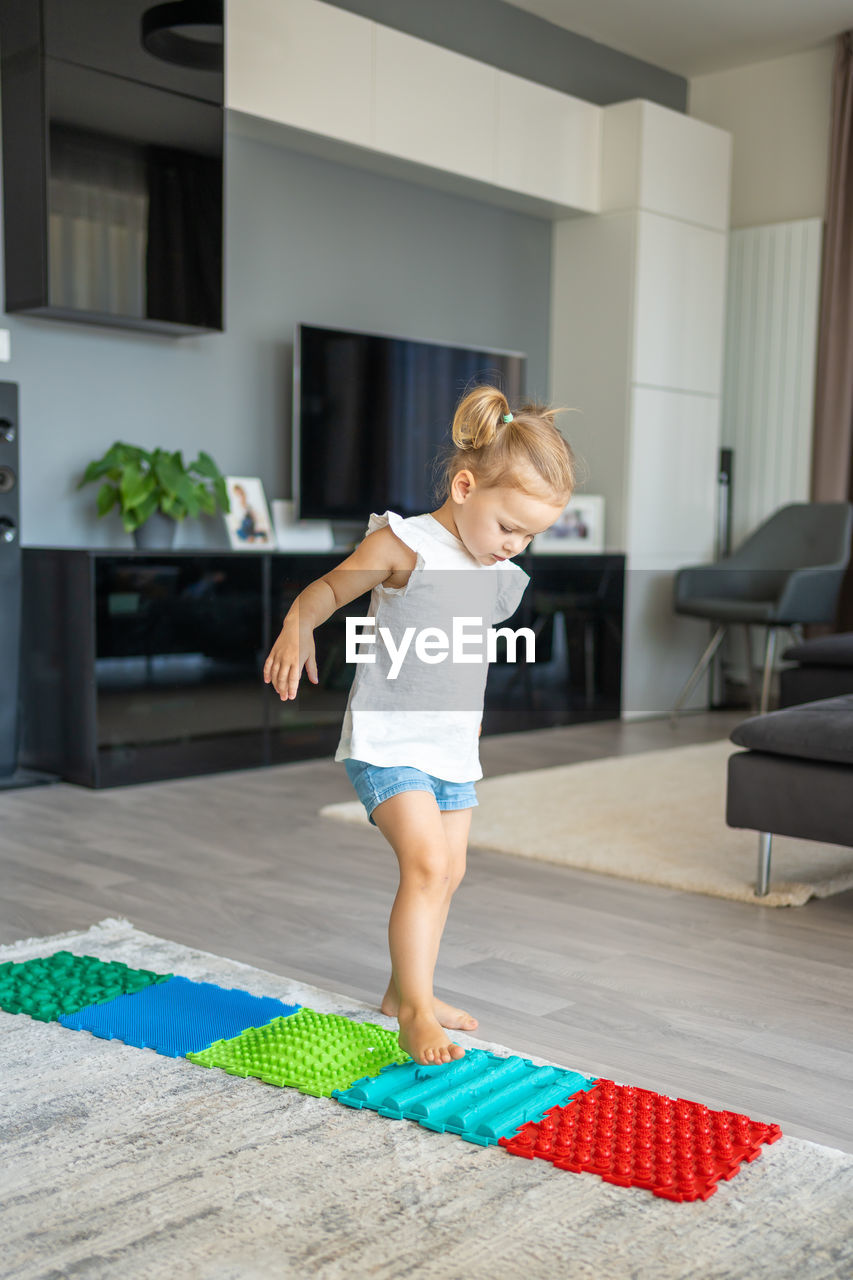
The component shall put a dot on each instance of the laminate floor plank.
(735, 1005)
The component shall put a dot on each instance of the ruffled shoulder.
(404, 529)
(411, 536)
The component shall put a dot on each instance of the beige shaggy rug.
(658, 817)
(120, 1163)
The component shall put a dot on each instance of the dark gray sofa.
(795, 777)
(824, 669)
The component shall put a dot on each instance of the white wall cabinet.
(665, 162)
(303, 64)
(680, 305)
(672, 464)
(637, 340)
(548, 143)
(342, 79)
(434, 107)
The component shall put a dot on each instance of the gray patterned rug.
(118, 1162)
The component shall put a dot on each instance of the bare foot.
(446, 1015)
(423, 1040)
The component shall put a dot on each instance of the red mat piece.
(676, 1149)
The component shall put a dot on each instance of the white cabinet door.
(665, 162)
(548, 143)
(685, 167)
(434, 107)
(301, 63)
(672, 477)
(679, 305)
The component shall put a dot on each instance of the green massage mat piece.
(65, 983)
(309, 1051)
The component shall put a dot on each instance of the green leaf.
(191, 498)
(205, 466)
(107, 499)
(126, 455)
(135, 485)
(186, 491)
(147, 507)
(173, 506)
(113, 463)
(207, 501)
(168, 473)
(93, 472)
(101, 466)
(221, 492)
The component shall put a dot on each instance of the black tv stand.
(138, 666)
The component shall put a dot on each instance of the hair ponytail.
(521, 450)
(478, 418)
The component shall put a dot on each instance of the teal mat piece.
(480, 1097)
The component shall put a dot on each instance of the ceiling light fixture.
(186, 32)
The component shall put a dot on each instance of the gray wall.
(306, 240)
(528, 46)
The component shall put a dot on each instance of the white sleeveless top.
(429, 715)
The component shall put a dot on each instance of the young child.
(410, 739)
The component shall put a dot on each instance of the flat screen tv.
(371, 413)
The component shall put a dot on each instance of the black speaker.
(10, 578)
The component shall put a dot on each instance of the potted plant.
(154, 489)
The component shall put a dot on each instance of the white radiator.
(769, 368)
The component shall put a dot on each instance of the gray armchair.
(787, 573)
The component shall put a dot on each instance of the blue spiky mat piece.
(178, 1017)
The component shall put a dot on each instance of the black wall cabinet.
(138, 666)
(112, 171)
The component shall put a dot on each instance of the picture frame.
(248, 522)
(579, 529)
(299, 535)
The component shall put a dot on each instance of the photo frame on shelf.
(248, 522)
(299, 535)
(578, 530)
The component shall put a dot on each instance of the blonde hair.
(501, 446)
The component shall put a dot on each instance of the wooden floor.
(733, 1005)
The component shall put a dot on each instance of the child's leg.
(457, 824)
(412, 825)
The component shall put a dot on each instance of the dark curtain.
(184, 254)
(832, 457)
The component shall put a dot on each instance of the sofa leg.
(763, 881)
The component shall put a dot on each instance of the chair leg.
(769, 656)
(754, 696)
(697, 672)
(763, 879)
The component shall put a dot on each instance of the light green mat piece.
(309, 1051)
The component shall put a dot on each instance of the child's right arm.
(381, 557)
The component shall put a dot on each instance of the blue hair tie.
(507, 417)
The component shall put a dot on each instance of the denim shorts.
(375, 782)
